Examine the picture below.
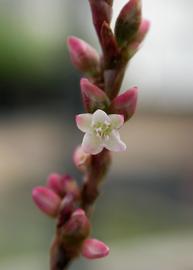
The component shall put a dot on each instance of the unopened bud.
(110, 48)
(83, 56)
(94, 249)
(66, 208)
(46, 200)
(125, 104)
(101, 11)
(81, 159)
(54, 183)
(128, 22)
(93, 97)
(135, 45)
(63, 184)
(143, 30)
(77, 228)
(69, 186)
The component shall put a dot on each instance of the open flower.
(101, 131)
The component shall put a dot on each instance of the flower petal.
(100, 116)
(83, 121)
(117, 120)
(92, 144)
(114, 142)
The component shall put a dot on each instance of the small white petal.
(114, 142)
(92, 144)
(83, 121)
(100, 116)
(117, 120)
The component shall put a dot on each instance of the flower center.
(102, 129)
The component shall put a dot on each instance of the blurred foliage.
(20, 51)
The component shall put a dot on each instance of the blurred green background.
(145, 211)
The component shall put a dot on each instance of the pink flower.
(101, 131)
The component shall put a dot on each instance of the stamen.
(102, 130)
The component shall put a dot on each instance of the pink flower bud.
(69, 185)
(110, 48)
(66, 208)
(94, 249)
(54, 183)
(63, 184)
(81, 159)
(128, 22)
(83, 56)
(101, 11)
(135, 45)
(93, 97)
(77, 228)
(46, 200)
(125, 104)
(143, 30)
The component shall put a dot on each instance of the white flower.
(101, 131)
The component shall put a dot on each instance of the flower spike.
(62, 197)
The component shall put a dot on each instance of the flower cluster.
(58, 198)
(106, 111)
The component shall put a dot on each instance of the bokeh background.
(145, 212)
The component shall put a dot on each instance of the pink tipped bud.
(93, 97)
(66, 208)
(125, 104)
(143, 30)
(77, 228)
(54, 183)
(46, 200)
(128, 22)
(135, 45)
(83, 56)
(81, 159)
(101, 11)
(94, 249)
(63, 184)
(69, 186)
